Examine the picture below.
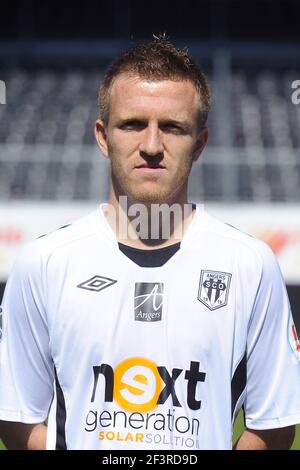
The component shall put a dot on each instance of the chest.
(157, 313)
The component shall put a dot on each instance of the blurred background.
(52, 57)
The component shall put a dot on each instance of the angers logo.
(148, 301)
(214, 289)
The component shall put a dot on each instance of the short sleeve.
(26, 369)
(273, 368)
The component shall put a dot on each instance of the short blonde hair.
(157, 60)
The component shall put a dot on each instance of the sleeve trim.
(21, 417)
(273, 423)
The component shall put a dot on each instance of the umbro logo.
(97, 283)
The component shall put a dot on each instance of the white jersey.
(125, 357)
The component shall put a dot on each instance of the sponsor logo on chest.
(294, 334)
(148, 301)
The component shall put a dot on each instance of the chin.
(150, 198)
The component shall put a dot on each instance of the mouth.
(150, 167)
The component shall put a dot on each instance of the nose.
(151, 143)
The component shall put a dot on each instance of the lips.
(153, 166)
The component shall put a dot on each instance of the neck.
(148, 225)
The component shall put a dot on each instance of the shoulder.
(68, 234)
(67, 237)
(244, 247)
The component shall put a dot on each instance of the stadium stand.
(47, 149)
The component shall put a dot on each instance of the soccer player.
(129, 337)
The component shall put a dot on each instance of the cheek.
(183, 157)
(116, 154)
(184, 168)
(121, 149)
(179, 148)
(120, 163)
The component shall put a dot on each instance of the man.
(128, 338)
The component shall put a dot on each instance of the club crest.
(214, 289)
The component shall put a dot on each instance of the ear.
(101, 137)
(200, 143)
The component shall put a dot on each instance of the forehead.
(133, 95)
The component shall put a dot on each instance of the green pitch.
(238, 428)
